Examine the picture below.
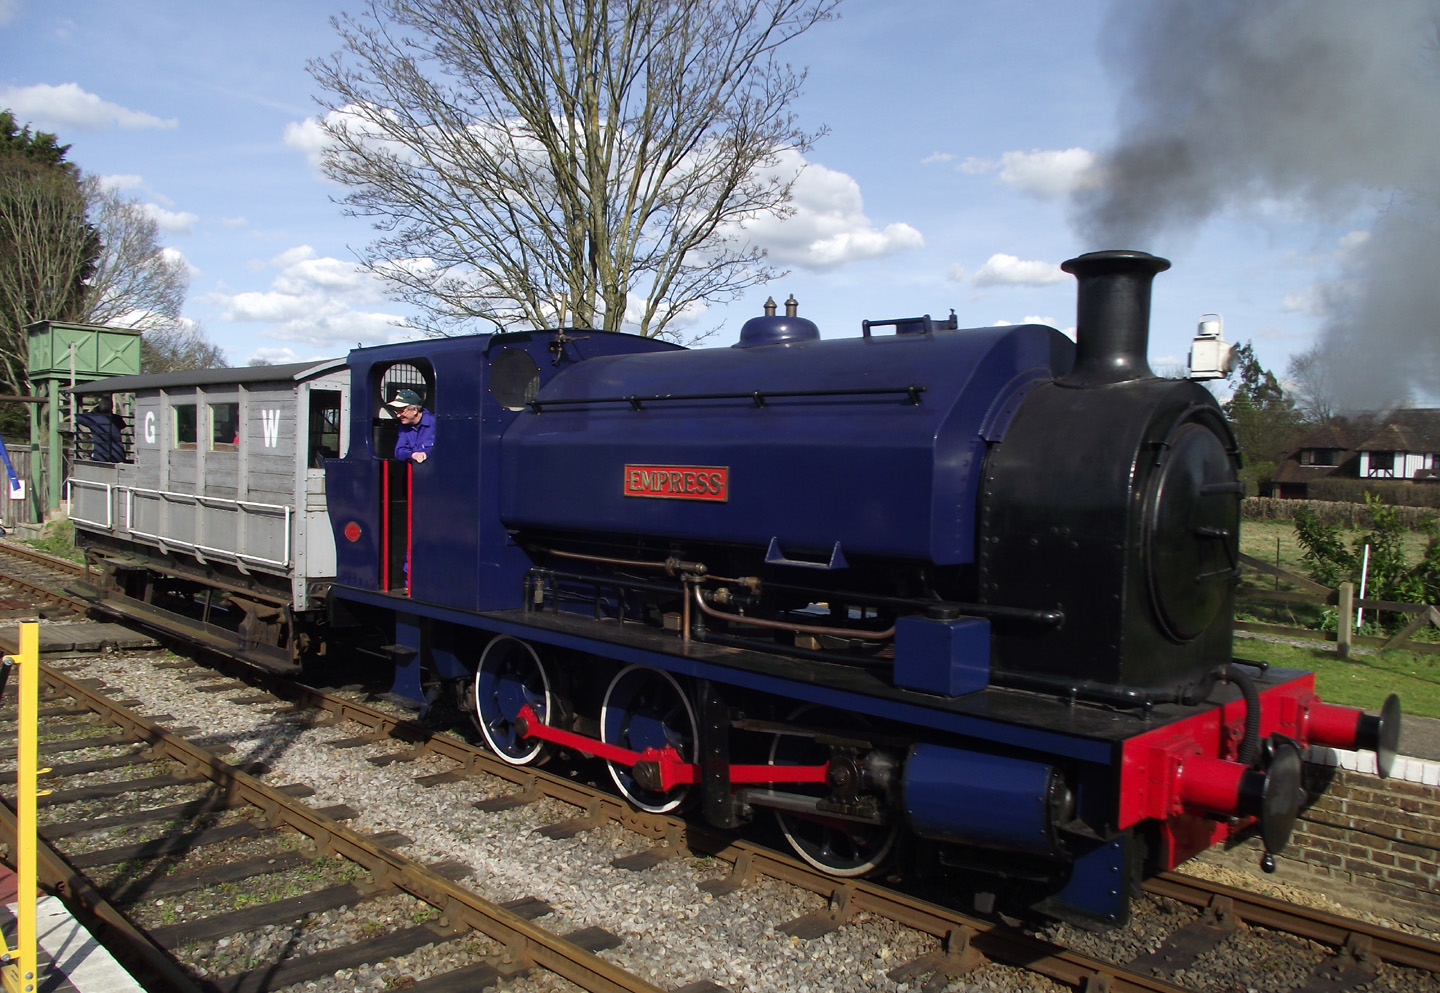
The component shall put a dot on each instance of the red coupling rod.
(663, 768)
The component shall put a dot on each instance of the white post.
(1364, 568)
(1342, 633)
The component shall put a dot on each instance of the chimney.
(1112, 320)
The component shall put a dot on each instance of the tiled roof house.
(1403, 445)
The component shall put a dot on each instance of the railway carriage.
(210, 484)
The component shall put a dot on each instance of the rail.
(243, 506)
(70, 485)
(243, 509)
(759, 398)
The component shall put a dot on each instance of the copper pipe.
(604, 559)
(709, 611)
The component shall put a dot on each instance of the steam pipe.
(1250, 743)
(1112, 321)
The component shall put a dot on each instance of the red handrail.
(385, 526)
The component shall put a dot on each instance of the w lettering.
(271, 419)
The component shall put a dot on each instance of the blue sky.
(956, 132)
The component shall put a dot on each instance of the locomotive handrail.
(1028, 615)
(758, 397)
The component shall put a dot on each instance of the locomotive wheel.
(832, 845)
(646, 708)
(511, 675)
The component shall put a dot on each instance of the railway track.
(40, 578)
(183, 802)
(956, 943)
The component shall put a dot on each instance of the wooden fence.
(1313, 594)
(13, 512)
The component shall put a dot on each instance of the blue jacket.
(418, 437)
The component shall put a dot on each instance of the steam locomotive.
(959, 597)
(965, 591)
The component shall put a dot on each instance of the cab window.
(415, 375)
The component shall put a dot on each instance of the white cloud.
(1049, 322)
(174, 255)
(8, 10)
(68, 106)
(309, 137)
(1351, 243)
(956, 273)
(1312, 300)
(315, 301)
(329, 275)
(281, 356)
(125, 182)
(312, 138)
(1044, 174)
(1027, 319)
(289, 257)
(1007, 270)
(170, 221)
(937, 157)
(828, 227)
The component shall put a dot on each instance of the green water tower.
(65, 355)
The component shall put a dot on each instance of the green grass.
(1368, 676)
(1258, 539)
(58, 538)
(1364, 680)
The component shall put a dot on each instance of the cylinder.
(991, 801)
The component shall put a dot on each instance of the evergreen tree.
(1265, 420)
(48, 249)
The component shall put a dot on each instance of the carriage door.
(397, 509)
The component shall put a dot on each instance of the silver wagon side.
(210, 484)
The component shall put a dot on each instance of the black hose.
(1250, 743)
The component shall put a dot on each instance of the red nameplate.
(678, 482)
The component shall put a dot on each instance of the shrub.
(1387, 575)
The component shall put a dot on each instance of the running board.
(168, 622)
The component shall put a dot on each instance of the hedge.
(1349, 515)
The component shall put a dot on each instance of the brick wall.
(1370, 843)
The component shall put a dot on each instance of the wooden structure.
(1347, 604)
(219, 474)
(61, 355)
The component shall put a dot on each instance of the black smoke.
(1329, 107)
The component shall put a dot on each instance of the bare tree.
(135, 283)
(1313, 385)
(178, 346)
(557, 161)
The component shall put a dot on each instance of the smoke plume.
(1332, 106)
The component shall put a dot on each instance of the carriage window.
(324, 426)
(185, 433)
(224, 427)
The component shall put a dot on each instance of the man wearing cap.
(417, 427)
